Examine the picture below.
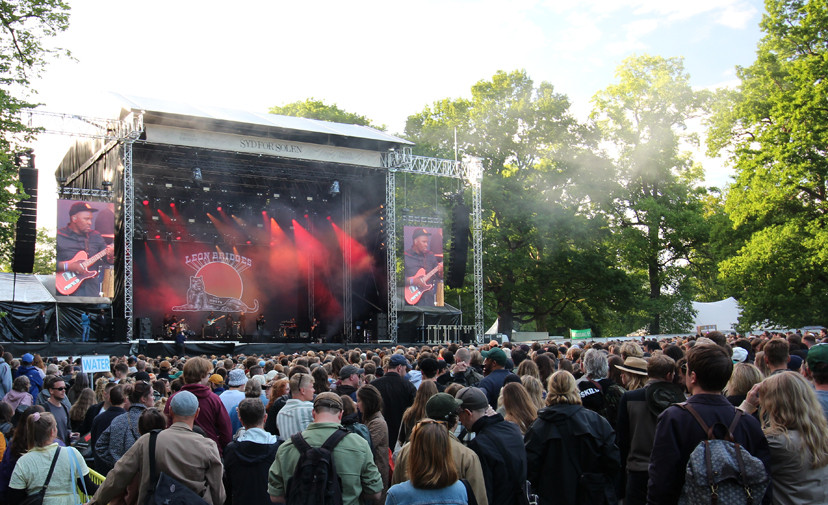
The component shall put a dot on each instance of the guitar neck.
(430, 274)
(91, 260)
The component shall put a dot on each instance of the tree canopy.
(547, 259)
(775, 129)
(317, 109)
(655, 205)
(25, 27)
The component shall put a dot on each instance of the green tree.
(547, 262)
(25, 26)
(775, 129)
(317, 109)
(45, 252)
(656, 206)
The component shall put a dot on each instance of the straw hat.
(634, 365)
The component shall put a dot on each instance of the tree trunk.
(505, 318)
(655, 294)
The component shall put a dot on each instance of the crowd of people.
(501, 424)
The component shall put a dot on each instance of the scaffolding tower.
(470, 170)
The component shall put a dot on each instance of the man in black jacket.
(397, 394)
(638, 413)
(248, 459)
(499, 445)
(677, 433)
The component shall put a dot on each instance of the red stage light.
(178, 238)
(329, 218)
(306, 216)
(146, 202)
(248, 242)
(172, 204)
(218, 209)
(158, 236)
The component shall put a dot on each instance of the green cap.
(442, 406)
(497, 355)
(817, 354)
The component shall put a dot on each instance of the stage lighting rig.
(334, 188)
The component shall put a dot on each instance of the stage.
(158, 348)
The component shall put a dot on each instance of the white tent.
(723, 314)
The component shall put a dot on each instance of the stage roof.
(23, 288)
(299, 124)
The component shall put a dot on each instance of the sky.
(383, 59)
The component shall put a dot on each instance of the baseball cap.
(328, 400)
(236, 377)
(216, 379)
(442, 406)
(184, 404)
(81, 207)
(817, 354)
(399, 359)
(419, 232)
(795, 363)
(497, 355)
(27, 358)
(349, 370)
(472, 398)
(739, 354)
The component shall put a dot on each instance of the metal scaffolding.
(469, 170)
(124, 131)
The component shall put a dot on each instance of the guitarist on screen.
(76, 238)
(419, 262)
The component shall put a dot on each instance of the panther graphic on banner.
(217, 284)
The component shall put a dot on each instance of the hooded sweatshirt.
(16, 398)
(35, 379)
(638, 413)
(246, 463)
(212, 416)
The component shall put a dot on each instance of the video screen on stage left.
(85, 249)
(423, 264)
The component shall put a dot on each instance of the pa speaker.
(26, 228)
(459, 245)
(144, 328)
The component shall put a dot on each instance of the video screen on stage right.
(423, 264)
(85, 249)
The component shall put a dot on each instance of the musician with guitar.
(80, 249)
(422, 270)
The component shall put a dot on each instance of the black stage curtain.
(20, 322)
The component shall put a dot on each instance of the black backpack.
(315, 481)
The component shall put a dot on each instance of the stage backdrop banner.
(85, 252)
(423, 261)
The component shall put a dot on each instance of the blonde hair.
(631, 349)
(788, 402)
(562, 389)
(534, 388)
(744, 377)
(634, 380)
(528, 367)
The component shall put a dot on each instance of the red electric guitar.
(414, 293)
(67, 282)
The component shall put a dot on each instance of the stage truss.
(113, 132)
(470, 170)
(128, 130)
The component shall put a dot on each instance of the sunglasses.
(59, 389)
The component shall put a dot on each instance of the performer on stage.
(260, 326)
(314, 331)
(242, 328)
(419, 261)
(181, 343)
(209, 327)
(75, 243)
(105, 326)
(169, 325)
(40, 326)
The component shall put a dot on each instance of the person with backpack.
(180, 453)
(32, 372)
(496, 374)
(325, 463)
(679, 432)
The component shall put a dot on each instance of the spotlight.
(146, 202)
(172, 204)
(334, 188)
(218, 208)
(197, 174)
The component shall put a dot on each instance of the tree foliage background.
(775, 129)
(25, 29)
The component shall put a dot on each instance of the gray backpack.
(722, 470)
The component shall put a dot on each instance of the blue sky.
(379, 58)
